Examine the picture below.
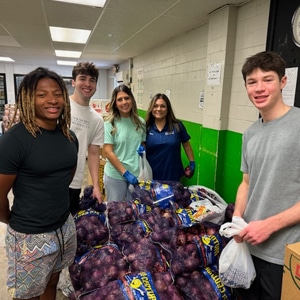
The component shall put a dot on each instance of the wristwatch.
(296, 27)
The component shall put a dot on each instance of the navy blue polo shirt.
(163, 152)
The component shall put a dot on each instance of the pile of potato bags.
(150, 248)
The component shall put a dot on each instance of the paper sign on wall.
(288, 92)
(214, 74)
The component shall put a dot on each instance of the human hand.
(141, 150)
(190, 169)
(97, 194)
(256, 232)
(130, 178)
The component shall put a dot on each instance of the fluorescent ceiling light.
(69, 35)
(97, 3)
(66, 63)
(5, 58)
(64, 53)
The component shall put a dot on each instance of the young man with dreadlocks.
(38, 160)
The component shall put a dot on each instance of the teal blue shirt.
(125, 141)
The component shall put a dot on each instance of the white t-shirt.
(88, 126)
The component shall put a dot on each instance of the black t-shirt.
(43, 166)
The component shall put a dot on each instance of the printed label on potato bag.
(186, 217)
(221, 290)
(139, 286)
(209, 248)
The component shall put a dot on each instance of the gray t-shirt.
(271, 157)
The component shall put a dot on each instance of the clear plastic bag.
(145, 169)
(236, 268)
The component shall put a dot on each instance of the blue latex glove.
(130, 178)
(141, 150)
(192, 166)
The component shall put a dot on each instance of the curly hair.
(26, 99)
(85, 68)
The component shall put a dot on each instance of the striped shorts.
(33, 258)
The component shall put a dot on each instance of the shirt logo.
(169, 133)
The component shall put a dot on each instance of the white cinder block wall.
(251, 37)
(177, 66)
(180, 68)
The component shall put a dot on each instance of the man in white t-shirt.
(89, 129)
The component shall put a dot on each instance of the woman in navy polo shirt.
(165, 134)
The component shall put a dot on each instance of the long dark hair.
(172, 121)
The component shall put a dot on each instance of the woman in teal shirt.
(124, 131)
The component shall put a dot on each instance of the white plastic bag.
(145, 169)
(199, 193)
(236, 268)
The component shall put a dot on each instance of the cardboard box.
(291, 272)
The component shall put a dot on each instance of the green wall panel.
(217, 156)
(208, 157)
(142, 113)
(194, 130)
(228, 174)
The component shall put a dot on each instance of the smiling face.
(160, 109)
(124, 104)
(264, 89)
(48, 103)
(84, 86)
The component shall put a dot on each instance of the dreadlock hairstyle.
(114, 114)
(172, 121)
(85, 68)
(26, 100)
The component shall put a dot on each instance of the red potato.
(119, 212)
(144, 256)
(91, 231)
(185, 259)
(112, 291)
(142, 195)
(87, 201)
(124, 234)
(188, 173)
(197, 286)
(164, 285)
(97, 268)
(181, 194)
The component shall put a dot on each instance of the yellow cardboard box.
(291, 272)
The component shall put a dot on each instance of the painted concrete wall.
(181, 68)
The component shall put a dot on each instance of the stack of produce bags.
(162, 245)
